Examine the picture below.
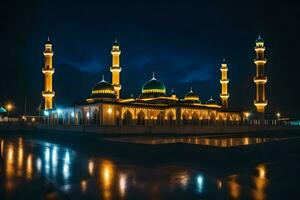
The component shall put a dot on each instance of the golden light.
(33, 119)
(9, 106)
(122, 184)
(109, 110)
(91, 167)
(83, 186)
(247, 115)
(278, 115)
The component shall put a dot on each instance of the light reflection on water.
(105, 179)
(199, 140)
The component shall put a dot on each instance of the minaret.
(115, 68)
(260, 79)
(48, 72)
(224, 85)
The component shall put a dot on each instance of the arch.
(212, 118)
(95, 117)
(160, 118)
(195, 118)
(228, 119)
(66, 119)
(141, 118)
(171, 118)
(79, 118)
(185, 118)
(127, 119)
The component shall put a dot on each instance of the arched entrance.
(141, 118)
(127, 120)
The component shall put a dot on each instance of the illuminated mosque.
(106, 107)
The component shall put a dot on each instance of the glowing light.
(72, 114)
(278, 115)
(67, 157)
(88, 115)
(83, 186)
(46, 113)
(107, 174)
(91, 167)
(9, 106)
(109, 111)
(122, 184)
(33, 119)
(59, 111)
(219, 184)
(29, 167)
(39, 164)
(200, 181)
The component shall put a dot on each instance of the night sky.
(183, 42)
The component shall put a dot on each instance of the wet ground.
(36, 169)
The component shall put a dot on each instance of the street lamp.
(278, 115)
(9, 107)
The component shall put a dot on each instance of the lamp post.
(278, 116)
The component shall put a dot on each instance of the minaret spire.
(116, 68)
(48, 72)
(260, 79)
(224, 84)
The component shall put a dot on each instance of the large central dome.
(153, 88)
(103, 89)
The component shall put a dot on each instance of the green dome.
(103, 89)
(259, 40)
(211, 102)
(2, 110)
(192, 96)
(153, 88)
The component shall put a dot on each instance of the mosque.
(106, 107)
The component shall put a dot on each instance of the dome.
(259, 40)
(211, 102)
(103, 89)
(153, 88)
(192, 96)
(2, 110)
(116, 43)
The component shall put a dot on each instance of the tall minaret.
(115, 68)
(48, 71)
(224, 84)
(260, 79)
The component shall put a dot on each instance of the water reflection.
(108, 179)
(200, 183)
(200, 140)
(106, 176)
(234, 188)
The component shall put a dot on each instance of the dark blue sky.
(182, 42)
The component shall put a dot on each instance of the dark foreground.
(49, 166)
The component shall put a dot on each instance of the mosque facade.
(106, 107)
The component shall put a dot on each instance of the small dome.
(48, 41)
(103, 89)
(211, 102)
(116, 43)
(2, 110)
(153, 88)
(192, 96)
(259, 40)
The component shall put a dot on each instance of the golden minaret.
(115, 68)
(260, 79)
(224, 85)
(48, 72)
